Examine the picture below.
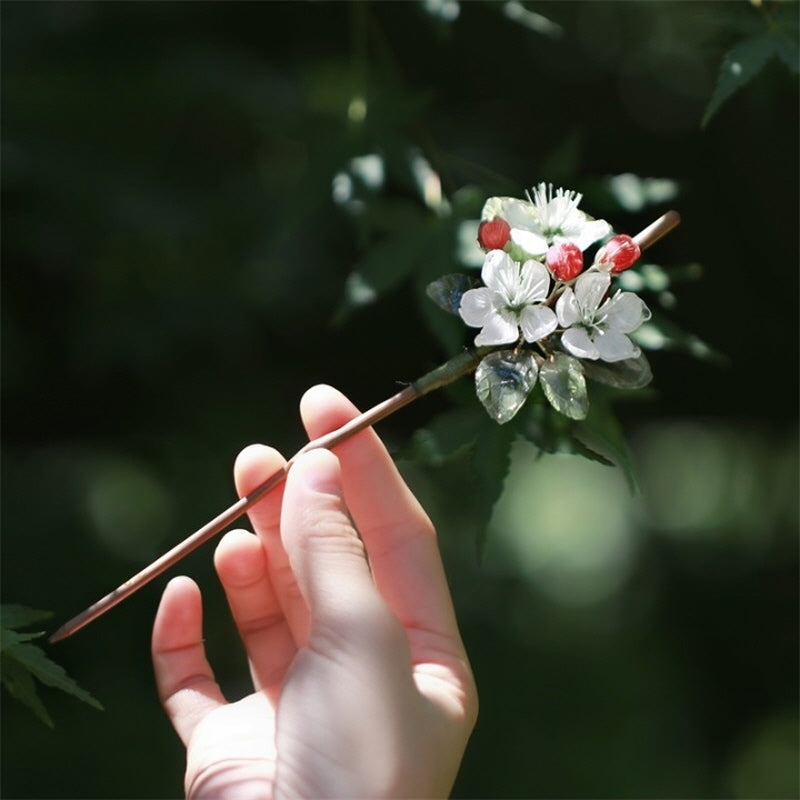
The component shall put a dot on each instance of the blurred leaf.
(552, 432)
(787, 32)
(447, 435)
(660, 333)
(503, 381)
(741, 65)
(21, 685)
(491, 460)
(655, 278)
(446, 291)
(633, 373)
(384, 266)
(14, 616)
(788, 52)
(633, 193)
(564, 385)
(516, 12)
(602, 434)
(563, 163)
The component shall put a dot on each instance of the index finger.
(399, 536)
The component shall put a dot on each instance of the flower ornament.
(565, 261)
(545, 317)
(510, 301)
(493, 234)
(618, 253)
(595, 329)
(548, 217)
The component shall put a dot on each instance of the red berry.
(493, 234)
(620, 251)
(565, 261)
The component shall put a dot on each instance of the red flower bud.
(565, 261)
(620, 252)
(493, 234)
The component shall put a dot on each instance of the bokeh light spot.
(566, 523)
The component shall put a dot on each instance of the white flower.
(508, 301)
(596, 329)
(546, 219)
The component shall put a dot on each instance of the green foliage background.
(174, 261)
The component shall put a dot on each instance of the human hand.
(362, 687)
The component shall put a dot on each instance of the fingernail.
(321, 473)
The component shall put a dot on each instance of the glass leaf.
(503, 381)
(564, 386)
(446, 291)
(632, 373)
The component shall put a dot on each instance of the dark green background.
(172, 264)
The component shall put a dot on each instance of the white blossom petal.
(577, 342)
(493, 207)
(589, 291)
(476, 306)
(584, 233)
(567, 308)
(496, 261)
(615, 346)
(537, 322)
(531, 242)
(498, 330)
(519, 213)
(497, 207)
(625, 312)
(506, 283)
(534, 281)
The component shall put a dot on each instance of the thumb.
(325, 551)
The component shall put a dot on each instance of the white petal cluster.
(548, 217)
(518, 300)
(598, 328)
(510, 302)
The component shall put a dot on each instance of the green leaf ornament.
(564, 386)
(632, 373)
(503, 381)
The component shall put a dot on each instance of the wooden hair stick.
(453, 369)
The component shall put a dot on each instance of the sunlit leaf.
(739, 66)
(21, 662)
(446, 292)
(48, 672)
(503, 381)
(20, 684)
(633, 373)
(564, 386)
